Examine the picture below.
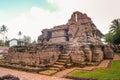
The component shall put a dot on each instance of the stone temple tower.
(79, 29)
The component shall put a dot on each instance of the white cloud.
(31, 24)
(51, 1)
(37, 19)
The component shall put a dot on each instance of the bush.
(9, 77)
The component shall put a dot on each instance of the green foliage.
(27, 39)
(116, 37)
(115, 26)
(108, 37)
(3, 28)
(102, 74)
(1, 43)
(114, 34)
(7, 43)
(4, 44)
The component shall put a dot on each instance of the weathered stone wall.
(44, 55)
(58, 33)
(108, 52)
(97, 54)
(87, 53)
(37, 59)
(55, 40)
(40, 57)
(77, 55)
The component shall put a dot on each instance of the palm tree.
(115, 27)
(115, 30)
(3, 30)
(19, 34)
(27, 39)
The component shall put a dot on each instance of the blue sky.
(14, 7)
(31, 16)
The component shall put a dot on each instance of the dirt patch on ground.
(27, 76)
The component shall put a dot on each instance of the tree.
(19, 34)
(3, 30)
(34, 42)
(115, 29)
(27, 39)
(1, 43)
(114, 34)
(116, 37)
(108, 37)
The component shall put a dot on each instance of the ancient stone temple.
(79, 30)
(76, 42)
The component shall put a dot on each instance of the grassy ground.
(112, 73)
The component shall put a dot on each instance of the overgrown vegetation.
(113, 36)
(6, 43)
(112, 73)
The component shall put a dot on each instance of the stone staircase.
(62, 63)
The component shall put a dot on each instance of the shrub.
(9, 77)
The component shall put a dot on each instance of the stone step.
(69, 65)
(54, 68)
(23, 68)
(48, 72)
(68, 51)
(58, 66)
(83, 63)
(92, 64)
(65, 57)
(60, 63)
(61, 60)
(64, 54)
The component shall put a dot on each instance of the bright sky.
(31, 16)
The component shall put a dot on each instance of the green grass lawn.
(112, 73)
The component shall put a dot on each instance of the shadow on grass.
(78, 78)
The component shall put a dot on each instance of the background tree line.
(113, 36)
(5, 42)
(3, 30)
